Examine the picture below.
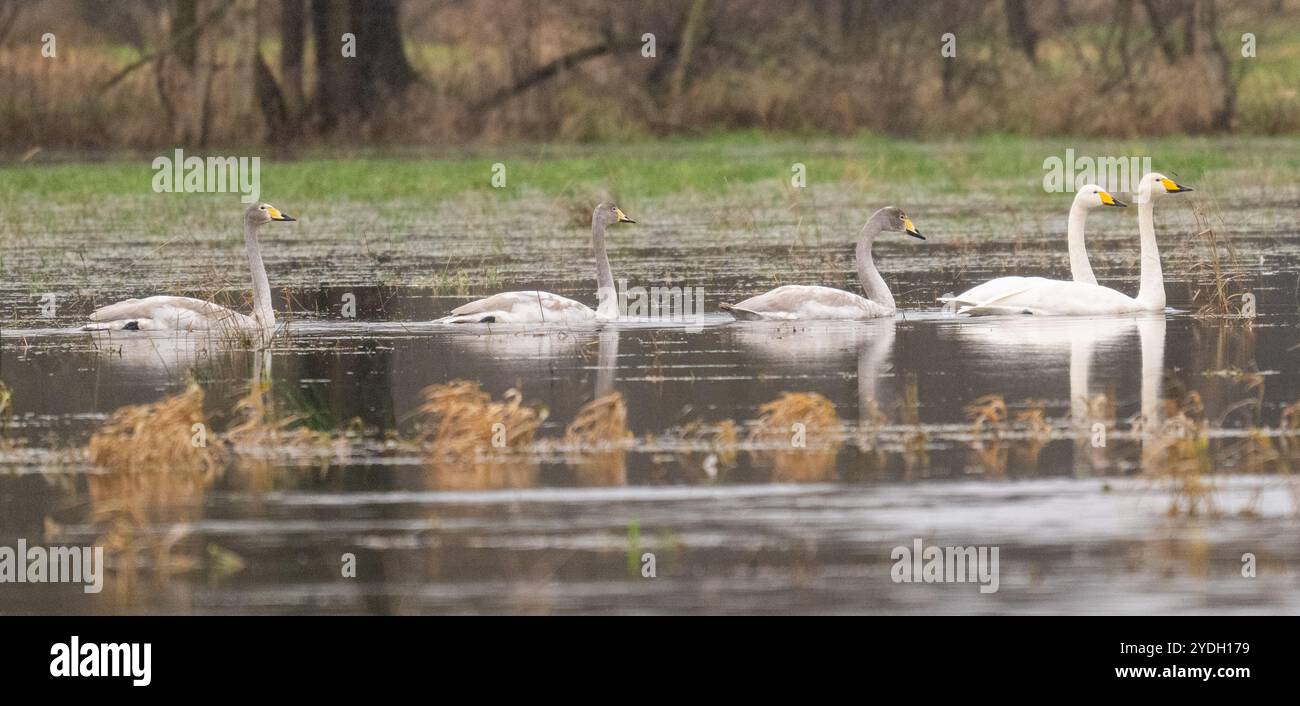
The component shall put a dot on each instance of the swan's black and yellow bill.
(1108, 200)
(911, 229)
(275, 215)
(622, 217)
(1174, 187)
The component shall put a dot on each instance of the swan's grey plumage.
(812, 302)
(545, 307)
(171, 313)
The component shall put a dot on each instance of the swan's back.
(807, 302)
(1050, 296)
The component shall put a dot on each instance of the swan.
(544, 307)
(1088, 197)
(809, 302)
(165, 313)
(1037, 295)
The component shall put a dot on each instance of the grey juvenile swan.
(805, 302)
(543, 307)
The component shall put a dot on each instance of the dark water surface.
(735, 524)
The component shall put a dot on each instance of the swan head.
(607, 214)
(897, 221)
(260, 213)
(1157, 184)
(1091, 196)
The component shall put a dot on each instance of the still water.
(362, 521)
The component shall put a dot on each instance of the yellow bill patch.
(1107, 199)
(907, 224)
(274, 213)
(1169, 184)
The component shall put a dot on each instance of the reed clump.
(988, 422)
(599, 435)
(1221, 291)
(6, 415)
(1033, 419)
(264, 438)
(714, 447)
(799, 435)
(474, 442)
(916, 453)
(1180, 454)
(159, 460)
(170, 435)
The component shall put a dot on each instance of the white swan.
(810, 302)
(544, 307)
(164, 313)
(1088, 197)
(1037, 295)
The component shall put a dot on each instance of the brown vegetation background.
(138, 74)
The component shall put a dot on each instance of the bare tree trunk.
(293, 38)
(201, 86)
(243, 102)
(690, 34)
(1190, 42)
(1221, 70)
(1165, 42)
(185, 16)
(384, 70)
(335, 78)
(948, 65)
(1018, 26)
(354, 87)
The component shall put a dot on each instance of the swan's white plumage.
(808, 302)
(167, 313)
(1038, 295)
(1089, 196)
(1043, 296)
(170, 313)
(529, 307)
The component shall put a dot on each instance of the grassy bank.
(996, 165)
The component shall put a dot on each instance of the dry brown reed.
(805, 431)
(171, 435)
(6, 415)
(474, 442)
(159, 460)
(1221, 290)
(599, 434)
(265, 439)
(1179, 453)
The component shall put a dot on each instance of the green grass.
(998, 165)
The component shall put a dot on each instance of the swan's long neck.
(606, 294)
(1151, 293)
(261, 286)
(873, 285)
(1080, 269)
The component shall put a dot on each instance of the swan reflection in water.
(794, 347)
(1040, 343)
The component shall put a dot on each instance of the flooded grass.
(1123, 464)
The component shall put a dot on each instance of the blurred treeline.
(154, 73)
